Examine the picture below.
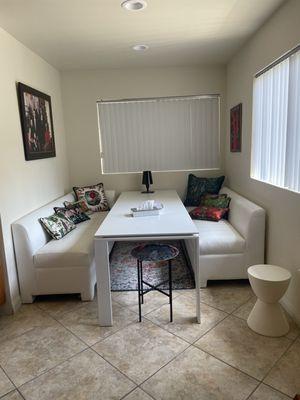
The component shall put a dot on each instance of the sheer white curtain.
(276, 125)
(159, 134)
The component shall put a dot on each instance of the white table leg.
(103, 283)
(197, 280)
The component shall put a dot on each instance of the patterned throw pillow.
(80, 203)
(216, 200)
(197, 187)
(57, 226)
(94, 196)
(209, 213)
(74, 214)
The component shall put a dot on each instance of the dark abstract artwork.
(236, 128)
(36, 122)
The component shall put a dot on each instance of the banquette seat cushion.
(72, 250)
(219, 238)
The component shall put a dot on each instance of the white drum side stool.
(269, 283)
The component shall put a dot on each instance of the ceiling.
(89, 34)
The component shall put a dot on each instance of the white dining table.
(173, 223)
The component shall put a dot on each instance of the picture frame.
(36, 123)
(236, 128)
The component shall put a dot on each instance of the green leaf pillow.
(57, 226)
(218, 201)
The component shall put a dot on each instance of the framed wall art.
(236, 128)
(36, 122)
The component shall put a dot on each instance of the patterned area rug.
(123, 269)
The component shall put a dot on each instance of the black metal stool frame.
(142, 292)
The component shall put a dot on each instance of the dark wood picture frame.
(236, 129)
(36, 122)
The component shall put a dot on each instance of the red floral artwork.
(236, 128)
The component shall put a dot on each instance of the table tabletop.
(173, 220)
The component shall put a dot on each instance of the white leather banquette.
(228, 248)
(48, 266)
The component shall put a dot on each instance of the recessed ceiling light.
(140, 47)
(134, 5)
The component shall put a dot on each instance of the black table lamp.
(147, 180)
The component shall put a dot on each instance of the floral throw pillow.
(212, 200)
(94, 196)
(198, 187)
(208, 213)
(74, 214)
(57, 226)
(82, 204)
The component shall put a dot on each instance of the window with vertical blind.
(160, 134)
(276, 123)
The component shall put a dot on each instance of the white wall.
(26, 185)
(278, 35)
(81, 90)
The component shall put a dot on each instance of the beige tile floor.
(54, 350)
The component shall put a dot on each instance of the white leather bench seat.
(219, 238)
(76, 249)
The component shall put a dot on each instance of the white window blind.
(161, 134)
(276, 124)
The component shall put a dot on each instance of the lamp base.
(148, 192)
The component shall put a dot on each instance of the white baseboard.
(291, 310)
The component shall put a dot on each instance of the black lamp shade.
(147, 178)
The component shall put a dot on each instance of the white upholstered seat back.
(242, 211)
(29, 228)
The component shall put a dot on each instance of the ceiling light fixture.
(140, 47)
(134, 5)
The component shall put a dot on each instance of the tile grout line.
(29, 329)
(116, 368)
(229, 365)
(8, 377)
(161, 327)
(9, 393)
(102, 338)
(253, 391)
(144, 315)
(138, 387)
(172, 359)
(271, 387)
(261, 381)
(50, 369)
(277, 361)
(63, 313)
(194, 341)
(276, 390)
(20, 394)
